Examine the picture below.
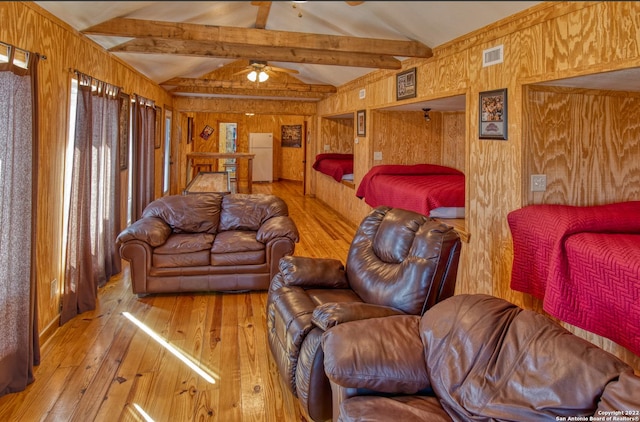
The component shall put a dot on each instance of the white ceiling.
(432, 23)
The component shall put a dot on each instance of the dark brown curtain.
(19, 345)
(94, 212)
(144, 133)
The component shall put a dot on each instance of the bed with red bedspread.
(334, 165)
(584, 264)
(421, 188)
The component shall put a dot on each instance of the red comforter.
(584, 264)
(334, 164)
(418, 187)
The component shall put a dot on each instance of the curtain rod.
(76, 71)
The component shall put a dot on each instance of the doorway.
(227, 143)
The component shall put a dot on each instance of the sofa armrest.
(330, 314)
(385, 355)
(308, 272)
(151, 230)
(276, 227)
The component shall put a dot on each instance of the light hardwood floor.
(101, 367)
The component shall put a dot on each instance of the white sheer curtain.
(19, 349)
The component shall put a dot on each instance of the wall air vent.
(492, 56)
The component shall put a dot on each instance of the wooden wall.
(405, 137)
(337, 134)
(27, 26)
(552, 40)
(268, 116)
(288, 162)
(587, 143)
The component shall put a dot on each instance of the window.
(166, 181)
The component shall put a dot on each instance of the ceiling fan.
(261, 70)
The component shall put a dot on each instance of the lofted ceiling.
(203, 48)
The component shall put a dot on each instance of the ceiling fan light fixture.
(263, 76)
(252, 76)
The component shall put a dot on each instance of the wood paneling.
(268, 116)
(348, 205)
(406, 137)
(337, 134)
(453, 139)
(586, 142)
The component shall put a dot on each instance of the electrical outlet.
(327, 147)
(377, 155)
(538, 183)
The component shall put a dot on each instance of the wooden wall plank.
(586, 142)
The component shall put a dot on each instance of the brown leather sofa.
(208, 242)
(399, 262)
(473, 357)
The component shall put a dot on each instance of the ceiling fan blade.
(354, 3)
(282, 69)
(243, 71)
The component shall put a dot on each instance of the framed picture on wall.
(406, 84)
(291, 136)
(493, 114)
(361, 121)
(123, 130)
(206, 132)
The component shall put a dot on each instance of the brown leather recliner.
(473, 358)
(399, 263)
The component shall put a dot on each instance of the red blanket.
(419, 187)
(334, 165)
(584, 263)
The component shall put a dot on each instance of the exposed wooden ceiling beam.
(137, 28)
(294, 55)
(253, 92)
(263, 13)
(270, 85)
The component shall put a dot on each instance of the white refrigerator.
(261, 144)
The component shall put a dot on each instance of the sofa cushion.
(198, 213)
(399, 408)
(236, 241)
(488, 358)
(185, 243)
(249, 211)
(238, 258)
(237, 247)
(182, 260)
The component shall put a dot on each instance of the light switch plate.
(538, 182)
(377, 155)
(327, 147)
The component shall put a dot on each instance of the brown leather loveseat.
(474, 358)
(208, 242)
(399, 262)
